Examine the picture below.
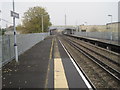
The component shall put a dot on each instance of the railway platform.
(104, 40)
(31, 70)
(45, 65)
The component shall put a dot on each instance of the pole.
(0, 21)
(65, 19)
(86, 29)
(111, 28)
(42, 24)
(15, 39)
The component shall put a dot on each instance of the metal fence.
(0, 50)
(99, 35)
(24, 42)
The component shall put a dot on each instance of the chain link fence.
(0, 50)
(24, 42)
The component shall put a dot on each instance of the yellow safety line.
(60, 80)
(50, 57)
(51, 49)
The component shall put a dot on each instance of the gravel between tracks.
(105, 53)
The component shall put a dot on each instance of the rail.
(107, 68)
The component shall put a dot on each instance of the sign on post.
(14, 14)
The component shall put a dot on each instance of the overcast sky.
(94, 12)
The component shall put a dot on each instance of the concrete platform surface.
(32, 69)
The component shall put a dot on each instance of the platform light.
(42, 16)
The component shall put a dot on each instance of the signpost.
(15, 15)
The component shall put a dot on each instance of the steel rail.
(109, 59)
(90, 82)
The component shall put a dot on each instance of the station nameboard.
(14, 14)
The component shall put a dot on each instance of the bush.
(94, 29)
(2, 31)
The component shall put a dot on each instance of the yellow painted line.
(60, 80)
(50, 57)
(51, 49)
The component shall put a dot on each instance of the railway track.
(112, 58)
(97, 58)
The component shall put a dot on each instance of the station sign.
(14, 14)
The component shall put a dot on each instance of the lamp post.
(0, 17)
(111, 28)
(65, 20)
(42, 23)
(0, 24)
(42, 19)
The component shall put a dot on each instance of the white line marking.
(81, 74)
